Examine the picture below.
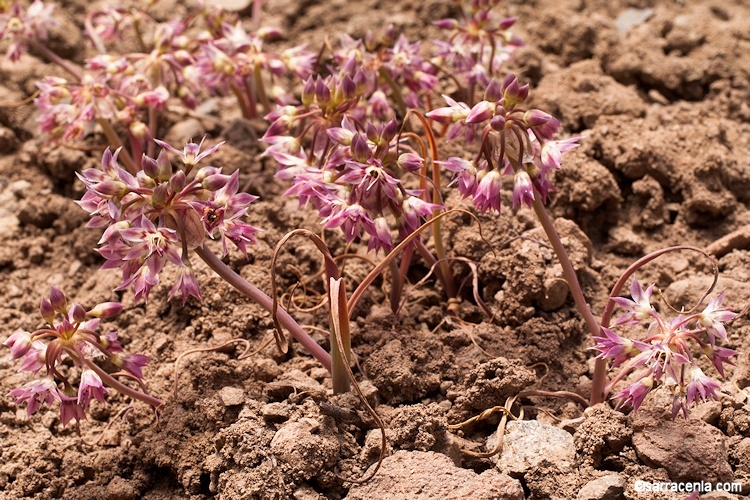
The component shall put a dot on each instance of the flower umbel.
(70, 332)
(665, 353)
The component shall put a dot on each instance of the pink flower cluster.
(220, 56)
(70, 332)
(351, 170)
(19, 25)
(665, 355)
(158, 215)
(388, 65)
(478, 44)
(514, 141)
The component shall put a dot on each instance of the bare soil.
(664, 105)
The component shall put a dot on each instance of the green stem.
(266, 302)
(397, 96)
(340, 336)
(261, 90)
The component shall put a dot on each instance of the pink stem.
(52, 57)
(266, 302)
(122, 388)
(600, 378)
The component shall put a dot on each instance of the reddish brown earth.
(664, 106)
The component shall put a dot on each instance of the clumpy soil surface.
(661, 92)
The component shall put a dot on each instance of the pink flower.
(701, 385)
(35, 393)
(131, 363)
(639, 308)
(380, 237)
(35, 358)
(191, 154)
(465, 175)
(616, 347)
(487, 195)
(635, 393)
(523, 189)
(19, 343)
(719, 356)
(70, 409)
(713, 317)
(352, 219)
(186, 285)
(552, 151)
(91, 386)
(454, 112)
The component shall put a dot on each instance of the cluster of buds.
(478, 45)
(158, 215)
(389, 65)
(665, 356)
(352, 177)
(514, 141)
(70, 332)
(19, 25)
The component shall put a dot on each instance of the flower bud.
(58, 300)
(322, 93)
(359, 148)
(370, 42)
(159, 195)
(389, 131)
(111, 188)
(536, 118)
(493, 93)
(215, 182)
(340, 135)
(204, 172)
(269, 33)
(165, 166)
(139, 130)
(411, 162)
(446, 24)
(106, 310)
(308, 92)
(506, 23)
(497, 122)
(348, 88)
(47, 311)
(178, 181)
(513, 93)
(77, 313)
(360, 80)
(19, 343)
(149, 167)
(481, 111)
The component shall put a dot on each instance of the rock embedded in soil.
(428, 475)
(232, 396)
(603, 433)
(528, 444)
(305, 448)
(609, 487)
(488, 385)
(689, 450)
